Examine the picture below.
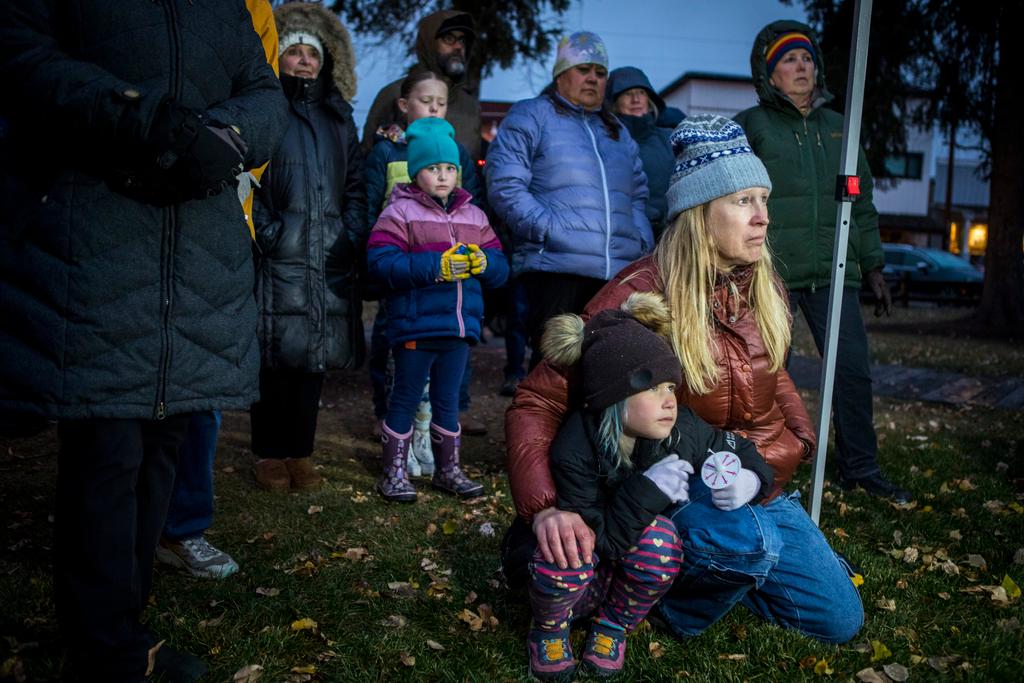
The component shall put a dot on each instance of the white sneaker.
(197, 557)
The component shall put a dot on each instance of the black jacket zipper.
(170, 227)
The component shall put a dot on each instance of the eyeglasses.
(454, 39)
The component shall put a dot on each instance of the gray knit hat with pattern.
(713, 159)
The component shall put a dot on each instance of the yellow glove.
(455, 265)
(477, 259)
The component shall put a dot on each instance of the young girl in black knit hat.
(621, 463)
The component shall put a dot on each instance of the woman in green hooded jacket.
(800, 142)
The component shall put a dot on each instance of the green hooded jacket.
(803, 156)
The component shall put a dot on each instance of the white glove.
(738, 493)
(672, 476)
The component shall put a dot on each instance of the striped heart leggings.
(619, 594)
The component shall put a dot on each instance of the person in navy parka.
(126, 277)
(567, 181)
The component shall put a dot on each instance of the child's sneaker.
(551, 654)
(606, 650)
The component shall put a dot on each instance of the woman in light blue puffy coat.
(567, 180)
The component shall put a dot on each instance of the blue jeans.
(772, 558)
(380, 374)
(413, 367)
(191, 510)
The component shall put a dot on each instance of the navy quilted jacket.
(572, 197)
(110, 307)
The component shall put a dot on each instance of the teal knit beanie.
(431, 141)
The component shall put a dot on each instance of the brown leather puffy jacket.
(749, 399)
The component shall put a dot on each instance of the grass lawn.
(339, 586)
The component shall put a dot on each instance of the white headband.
(299, 38)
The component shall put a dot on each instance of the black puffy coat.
(310, 216)
(618, 503)
(110, 307)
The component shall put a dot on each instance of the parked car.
(926, 274)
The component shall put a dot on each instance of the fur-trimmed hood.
(325, 25)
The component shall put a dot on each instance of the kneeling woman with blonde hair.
(730, 330)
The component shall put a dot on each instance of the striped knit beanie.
(713, 159)
(783, 44)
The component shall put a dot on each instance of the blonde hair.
(687, 258)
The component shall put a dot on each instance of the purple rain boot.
(447, 474)
(394, 483)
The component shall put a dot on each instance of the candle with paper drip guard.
(720, 470)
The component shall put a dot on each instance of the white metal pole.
(848, 167)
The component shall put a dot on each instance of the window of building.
(909, 166)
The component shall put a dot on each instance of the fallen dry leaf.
(357, 554)
(822, 668)
(211, 623)
(314, 509)
(448, 528)
(879, 651)
(808, 662)
(470, 598)
(250, 673)
(886, 604)
(151, 657)
(308, 669)
(395, 621)
(268, 592)
(733, 657)
(955, 535)
(656, 649)
(1011, 587)
(910, 554)
(896, 672)
(977, 561)
(942, 664)
(434, 645)
(304, 624)
(869, 675)
(406, 659)
(1008, 625)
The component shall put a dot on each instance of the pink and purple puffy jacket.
(404, 257)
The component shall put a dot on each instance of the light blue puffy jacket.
(572, 198)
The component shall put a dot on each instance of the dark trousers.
(114, 480)
(191, 510)
(412, 369)
(515, 329)
(852, 411)
(284, 419)
(550, 294)
(381, 375)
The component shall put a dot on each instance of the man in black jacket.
(125, 274)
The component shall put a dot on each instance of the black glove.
(883, 300)
(201, 156)
(184, 156)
